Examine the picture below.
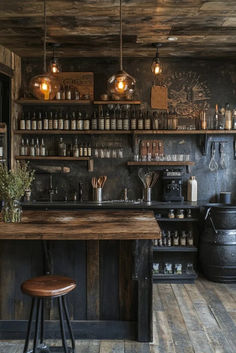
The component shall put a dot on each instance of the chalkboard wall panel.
(191, 84)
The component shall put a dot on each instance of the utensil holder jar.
(147, 194)
(97, 195)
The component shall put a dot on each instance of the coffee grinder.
(172, 185)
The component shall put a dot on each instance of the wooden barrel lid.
(48, 286)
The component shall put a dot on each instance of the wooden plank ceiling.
(90, 28)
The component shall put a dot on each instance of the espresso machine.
(172, 185)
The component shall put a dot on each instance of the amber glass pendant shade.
(54, 66)
(156, 66)
(44, 86)
(121, 85)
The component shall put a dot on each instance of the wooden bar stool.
(39, 288)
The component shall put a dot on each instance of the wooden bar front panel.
(102, 269)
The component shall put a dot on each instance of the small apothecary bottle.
(180, 213)
(171, 213)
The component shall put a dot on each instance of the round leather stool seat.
(48, 286)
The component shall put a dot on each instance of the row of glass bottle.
(175, 238)
(223, 119)
(38, 148)
(117, 120)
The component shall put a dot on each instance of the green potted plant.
(13, 184)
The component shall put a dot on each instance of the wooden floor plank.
(225, 321)
(136, 347)
(190, 318)
(87, 346)
(226, 296)
(208, 321)
(233, 316)
(198, 337)
(178, 328)
(157, 304)
(162, 330)
(111, 347)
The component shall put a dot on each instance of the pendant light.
(44, 86)
(121, 85)
(156, 64)
(54, 66)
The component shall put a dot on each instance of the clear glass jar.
(171, 213)
(11, 211)
(180, 213)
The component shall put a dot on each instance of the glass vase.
(11, 211)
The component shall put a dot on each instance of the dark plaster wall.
(217, 80)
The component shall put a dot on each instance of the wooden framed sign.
(82, 81)
(159, 97)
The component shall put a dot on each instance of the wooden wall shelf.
(130, 163)
(70, 132)
(49, 102)
(116, 102)
(134, 132)
(27, 101)
(51, 158)
(184, 132)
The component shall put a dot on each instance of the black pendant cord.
(121, 34)
(44, 39)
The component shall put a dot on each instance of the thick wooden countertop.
(83, 225)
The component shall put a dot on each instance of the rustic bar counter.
(114, 276)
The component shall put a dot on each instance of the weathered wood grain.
(217, 308)
(175, 319)
(91, 28)
(164, 339)
(197, 335)
(83, 225)
(208, 320)
(93, 283)
(127, 287)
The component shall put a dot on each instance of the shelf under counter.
(174, 278)
(166, 219)
(175, 249)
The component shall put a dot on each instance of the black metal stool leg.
(63, 336)
(29, 328)
(68, 323)
(42, 322)
(37, 324)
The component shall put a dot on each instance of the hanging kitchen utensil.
(155, 177)
(94, 182)
(213, 165)
(222, 163)
(104, 178)
(148, 179)
(141, 175)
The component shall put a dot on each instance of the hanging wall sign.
(159, 97)
(82, 81)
